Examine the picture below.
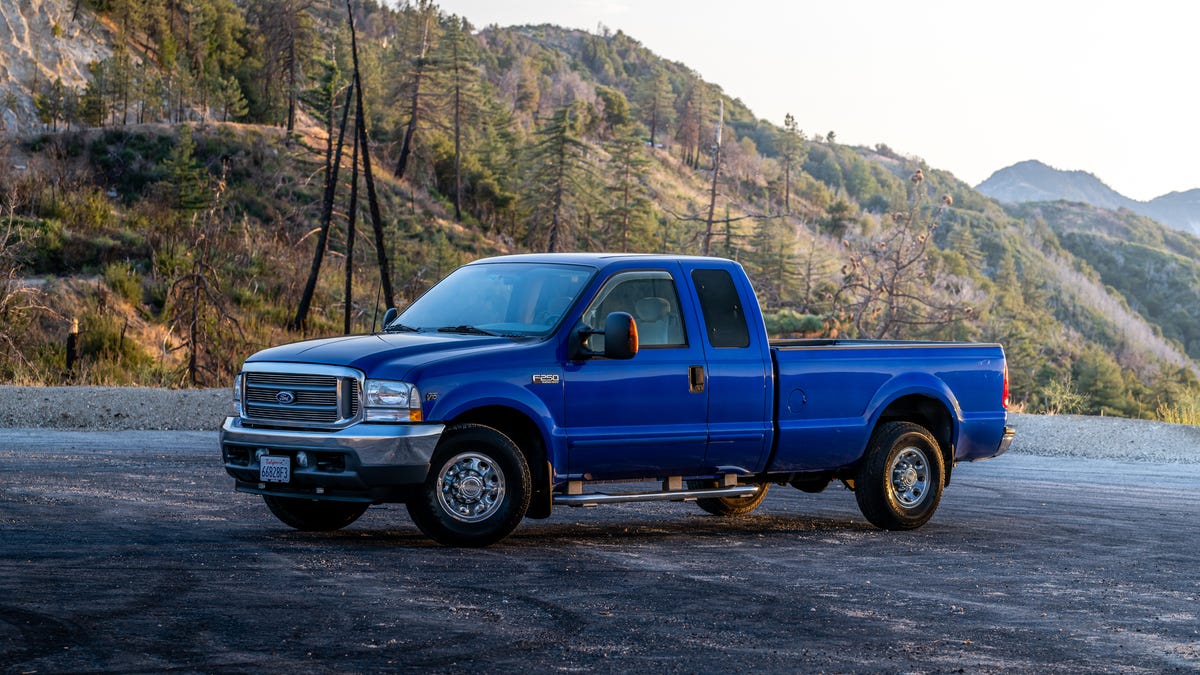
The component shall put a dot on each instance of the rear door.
(642, 417)
(738, 368)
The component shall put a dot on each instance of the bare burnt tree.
(716, 169)
(351, 225)
(333, 161)
(361, 144)
(891, 287)
(197, 307)
(19, 301)
(385, 277)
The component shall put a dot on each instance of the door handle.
(696, 379)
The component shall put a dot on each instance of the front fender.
(538, 407)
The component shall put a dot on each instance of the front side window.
(513, 299)
(652, 300)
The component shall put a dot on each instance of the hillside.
(184, 236)
(1154, 268)
(1033, 181)
(44, 42)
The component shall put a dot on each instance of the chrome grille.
(299, 399)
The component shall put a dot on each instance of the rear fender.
(900, 392)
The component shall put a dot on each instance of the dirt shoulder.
(113, 408)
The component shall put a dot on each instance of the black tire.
(309, 515)
(899, 482)
(728, 506)
(477, 491)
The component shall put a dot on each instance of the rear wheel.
(477, 491)
(899, 482)
(309, 515)
(728, 506)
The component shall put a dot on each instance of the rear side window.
(724, 317)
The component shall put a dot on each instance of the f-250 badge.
(545, 379)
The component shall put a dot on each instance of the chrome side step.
(598, 498)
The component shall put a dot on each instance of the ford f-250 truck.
(525, 382)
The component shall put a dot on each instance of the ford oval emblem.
(285, 397)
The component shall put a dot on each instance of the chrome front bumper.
(363, 462)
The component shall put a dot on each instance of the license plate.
(274, 469)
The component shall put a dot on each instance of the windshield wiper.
(468, 330)
(400, 328)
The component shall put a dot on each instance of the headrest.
(651, 309)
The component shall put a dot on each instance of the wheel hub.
(470, 487)
(910, 477)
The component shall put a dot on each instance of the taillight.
(1004, 400)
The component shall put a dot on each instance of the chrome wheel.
(899, 481)
(910, 477)
(470, 487)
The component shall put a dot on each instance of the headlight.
(237, 395)
(389, 401)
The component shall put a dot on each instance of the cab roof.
(599, 260)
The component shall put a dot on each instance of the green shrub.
(104, 339)
(87, 211)
(1185, 410)
(790, 322)
(123, 280)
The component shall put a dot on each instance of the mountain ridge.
(1035, 181)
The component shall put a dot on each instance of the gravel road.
(129, 552)
(136, 408)
(123, 548)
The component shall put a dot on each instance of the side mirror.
(390, 316)
(620, 336)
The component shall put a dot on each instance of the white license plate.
(274, 469)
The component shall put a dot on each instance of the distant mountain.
(1033, 181)
(1180, 210)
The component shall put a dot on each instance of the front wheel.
(309, 515)
(477, 491)
(899, 482)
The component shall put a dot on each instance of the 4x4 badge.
(545, 379)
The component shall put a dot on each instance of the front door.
(643, 417)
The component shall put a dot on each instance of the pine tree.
(656, 100)
(631, 212)
(560, 192)
(421, 68)
(791, 149)
(185, 175)
(463, 79)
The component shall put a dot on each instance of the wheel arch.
(528, 437)
(930, 412)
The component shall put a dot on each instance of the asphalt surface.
(129, 552)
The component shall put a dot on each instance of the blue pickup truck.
(520, 383)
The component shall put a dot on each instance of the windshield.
(511, 299)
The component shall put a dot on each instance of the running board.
(598, 498)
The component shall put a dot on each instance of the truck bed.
(831, 393)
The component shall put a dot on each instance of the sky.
(969, 86)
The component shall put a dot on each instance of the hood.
(384, 355)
